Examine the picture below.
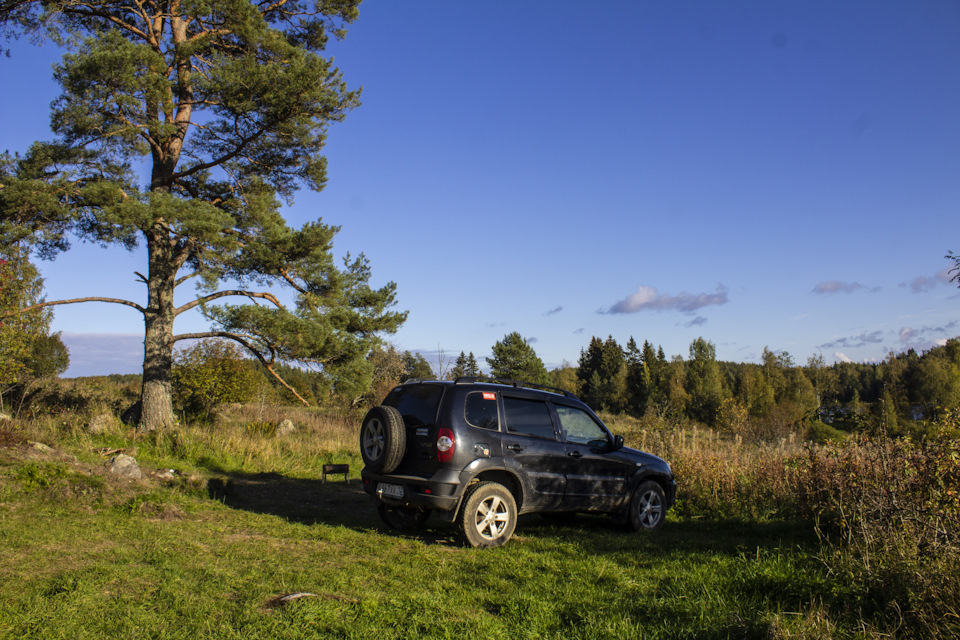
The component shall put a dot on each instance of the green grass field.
(246, 522)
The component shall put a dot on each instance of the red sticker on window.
(489, 396)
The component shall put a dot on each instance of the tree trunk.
(157, 402)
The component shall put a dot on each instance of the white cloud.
(841, 357)
(835, 286)
(852, 342)
(649, 299)
(926, 337)
(922, 284)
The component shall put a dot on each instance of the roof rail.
(514, 383)
(419, 380)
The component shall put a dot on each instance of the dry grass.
(889, 514)
(243, 437)
(722, 476)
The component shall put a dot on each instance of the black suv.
(482, 452)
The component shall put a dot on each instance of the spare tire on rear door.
(383, 439)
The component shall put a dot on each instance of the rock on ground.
(286, 427)
(125, 466)
(101, 424)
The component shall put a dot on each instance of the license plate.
(390, 490)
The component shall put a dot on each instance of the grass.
(189, 568)
(246, 521)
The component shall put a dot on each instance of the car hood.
(645, 458)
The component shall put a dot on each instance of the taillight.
(446, 445)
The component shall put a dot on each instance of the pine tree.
(638, 378)
(613, 377)
(473, 369)
(459, 367)
(514, 359)
(465, 366)
(416, 367)
(588, 364)
(227, 104)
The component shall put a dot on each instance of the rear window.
(480, 410)
(417, 403)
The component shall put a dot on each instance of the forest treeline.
(766, 400)
(769, 400)
(776, 396)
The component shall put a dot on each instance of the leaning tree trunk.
(156, 399)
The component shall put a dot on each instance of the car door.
(530, 439)
(596, 477)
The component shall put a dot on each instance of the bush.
(889, 511)
(211, 373)
(822, 433)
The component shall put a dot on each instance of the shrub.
(889, 512)
(822, 433)
(210, 373)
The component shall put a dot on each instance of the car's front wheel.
(488, 516)
(647, 507)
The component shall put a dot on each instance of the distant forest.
(901, 395)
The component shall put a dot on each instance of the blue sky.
(758, 173)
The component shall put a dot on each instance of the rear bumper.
(426, 493)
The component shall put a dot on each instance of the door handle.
(515, 447)
(574, 454)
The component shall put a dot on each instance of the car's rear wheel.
(403, 518)
(488, 516)
(383, 439)
(647, 507)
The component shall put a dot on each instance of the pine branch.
(249, 347)
(73, 301)
(223, 294)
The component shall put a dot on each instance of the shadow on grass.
(312, 501)
(340, 503)
(305, 501)
(730, 537)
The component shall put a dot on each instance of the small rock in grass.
(126, 467)
(285, 428)
(101, 424)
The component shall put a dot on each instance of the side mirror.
(617, 443)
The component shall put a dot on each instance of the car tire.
(488, 516)
(403, 518)
(383, 439)
(647, 507)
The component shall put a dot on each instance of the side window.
(480, 410)
(528, 417)
(580, 428)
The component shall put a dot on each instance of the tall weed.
(889, 514)
(720, 476)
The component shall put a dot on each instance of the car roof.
(496, 383)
